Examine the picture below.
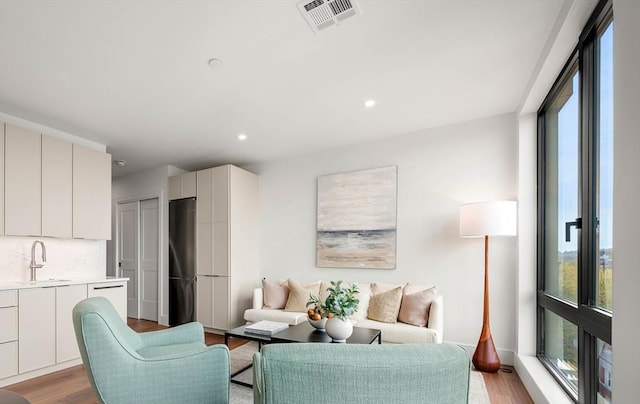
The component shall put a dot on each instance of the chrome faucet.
(33, 265)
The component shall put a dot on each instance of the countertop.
(47, 283)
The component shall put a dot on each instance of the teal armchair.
(361, 374)
(167, 366)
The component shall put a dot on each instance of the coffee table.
(303, 332)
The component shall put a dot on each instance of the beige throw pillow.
(385, 306)
(274, 296)
(299, 295)
(415, 306)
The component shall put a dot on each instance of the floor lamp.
(484, 219)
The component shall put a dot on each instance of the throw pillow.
(415, 306)
(384, 307)
(274, 295)
(299, 295)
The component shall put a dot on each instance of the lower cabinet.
(213, 302)
(37, 328)
(8, 333)
(66, 298)
(115, 291)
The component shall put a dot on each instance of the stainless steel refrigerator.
(182, 261)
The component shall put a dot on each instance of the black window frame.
(593, 322)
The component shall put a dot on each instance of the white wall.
(438, 169)
(139, 186)
(626, 202)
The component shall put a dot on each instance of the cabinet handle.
(108, 287)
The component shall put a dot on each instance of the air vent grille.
(321, 14)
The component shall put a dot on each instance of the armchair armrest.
(185, 333)
(436, 318)
(258, 298)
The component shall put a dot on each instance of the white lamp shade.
(488, 219)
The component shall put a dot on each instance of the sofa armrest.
(436, 318)
(258, 298)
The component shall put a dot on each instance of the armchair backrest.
(351, 373)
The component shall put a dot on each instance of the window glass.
(561, 347)
(604, 372)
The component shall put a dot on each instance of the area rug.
(243, 355)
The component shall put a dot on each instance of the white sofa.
(391, 332)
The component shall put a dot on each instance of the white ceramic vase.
(338, 329)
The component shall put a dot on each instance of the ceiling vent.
(321, 14)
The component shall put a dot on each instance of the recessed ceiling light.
(242, 137)
(120, 163)
(214, 63)
(369, 103)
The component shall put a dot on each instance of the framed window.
(575, 201)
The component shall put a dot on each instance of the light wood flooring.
(72, 386)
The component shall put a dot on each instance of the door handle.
(567, 228)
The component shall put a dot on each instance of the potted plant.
(335, 310)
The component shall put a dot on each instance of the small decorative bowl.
(318, 324)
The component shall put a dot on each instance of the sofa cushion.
(415, 305)
(384, 306)
(290, 317)
(364, 296)
(401, 333)
(274, 295)
(299, 295)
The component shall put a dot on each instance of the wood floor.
(72, 386)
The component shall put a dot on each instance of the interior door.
(128, 252)
(149, 259)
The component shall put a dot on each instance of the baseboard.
(39, 372)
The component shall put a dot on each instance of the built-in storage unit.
(227, 245)
(67, 296)
(115, 291)
(8, 333)
(57, 175)
(36, 328)
(91, 194)
(22, 182)
(182, 186)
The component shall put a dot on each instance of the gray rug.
(243, 356)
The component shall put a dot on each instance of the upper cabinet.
(57, 186)
(23, 182)
(182, 186)
(91, 193)
(53, 188)
(2, 125)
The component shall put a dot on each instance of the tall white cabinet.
(227, 245)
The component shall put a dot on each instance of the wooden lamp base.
(485, 358)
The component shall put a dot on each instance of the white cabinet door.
(204, 195)
(57, 210)
(1, 178)
(36, 328)
(22, 184)
(91, 194)
(66, 298)
(116, 292)
(9, 359)
(204, 305)
(182, 186)
(221, 303)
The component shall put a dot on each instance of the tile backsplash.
(66, 259)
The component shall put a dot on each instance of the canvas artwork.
(357, 219)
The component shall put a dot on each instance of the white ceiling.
(133, 75)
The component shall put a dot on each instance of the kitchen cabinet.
(2, 125)
(182, 186)
(227, 245)
(91, 194)
(8, 333)
(67, 297)
(57, 187)
(115, 291)
(36, 328)
(22, 182)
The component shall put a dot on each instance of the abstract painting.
(357, 219)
